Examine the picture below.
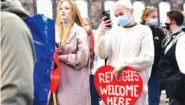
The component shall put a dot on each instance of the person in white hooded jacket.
(130, 44)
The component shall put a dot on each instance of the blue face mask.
(64, 21)
(153, 22)
(123, 20)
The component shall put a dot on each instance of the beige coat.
(74, 84)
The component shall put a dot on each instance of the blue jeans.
(94, 94)
(154, 91)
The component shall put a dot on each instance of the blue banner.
(43, 33)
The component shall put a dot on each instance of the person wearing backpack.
(17, 55)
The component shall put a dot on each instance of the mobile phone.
(107, 15)
(57, 46)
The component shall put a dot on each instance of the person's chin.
(64, 18)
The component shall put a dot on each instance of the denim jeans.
(154, 91)
(94, 94)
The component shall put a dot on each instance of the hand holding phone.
(105, 22)
(106, 18)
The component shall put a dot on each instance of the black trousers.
(94, 94)
(174, 102)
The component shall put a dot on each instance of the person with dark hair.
(184, 21)
(177, 16)
(150, 17)
(171, 66)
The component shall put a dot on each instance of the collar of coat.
(73, 32)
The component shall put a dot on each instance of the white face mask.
(153, 22)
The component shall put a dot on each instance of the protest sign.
(125, 91)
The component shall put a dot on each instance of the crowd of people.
(157, 53)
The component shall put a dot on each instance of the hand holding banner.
(125, 91)
(55, 76)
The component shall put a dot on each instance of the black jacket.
(158, 36)
(171, 77)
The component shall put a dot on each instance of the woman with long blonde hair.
(73, 49)
(150, 17)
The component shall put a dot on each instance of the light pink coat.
(74, 84)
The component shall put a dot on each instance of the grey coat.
(17, 56)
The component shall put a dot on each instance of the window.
(82, 5)
(138, 8)
(108, 5)
(45, 7)
(164, 7)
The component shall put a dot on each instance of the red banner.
(55, 74)
(125, 91)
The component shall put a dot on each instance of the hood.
(14, 6)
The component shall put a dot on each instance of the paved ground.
(163, 98)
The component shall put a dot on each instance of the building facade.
(93, 8)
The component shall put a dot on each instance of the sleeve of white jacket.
(180, 53)
(146, 56)
(103, 44)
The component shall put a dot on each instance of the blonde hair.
(75, 18)
(86, 19)
(89, 22)
(146, 12)
(127, 4)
